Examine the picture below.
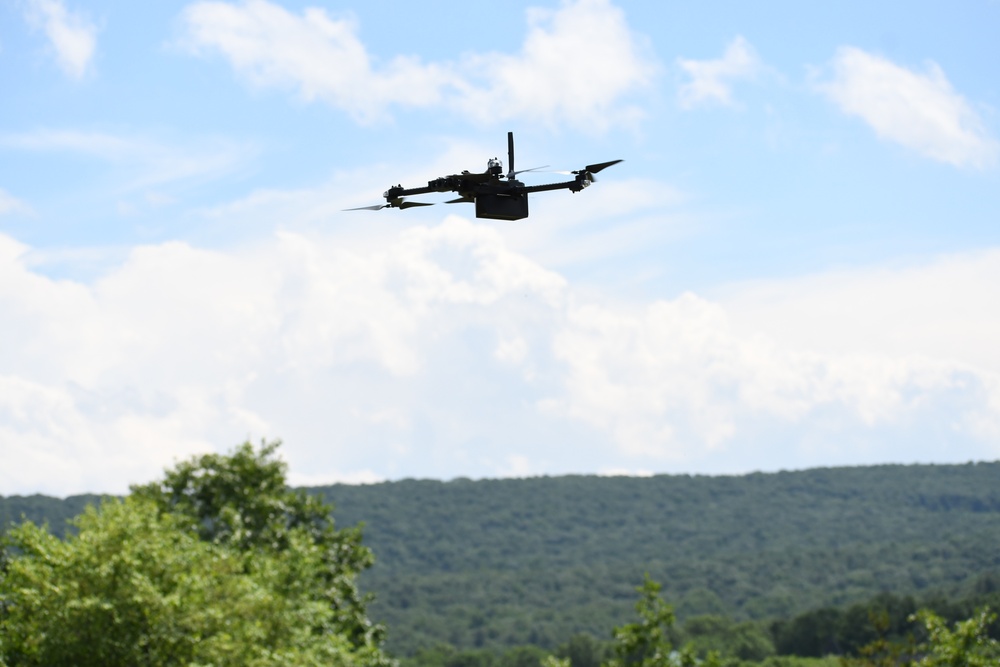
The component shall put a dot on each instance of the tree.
(744, 641)
(647, 643)
(582, 650)
(242, 501)
(968, 645)
(217, 564)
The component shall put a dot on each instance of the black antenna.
(510, 155)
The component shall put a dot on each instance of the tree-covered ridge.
(495, 563)
(41, 509)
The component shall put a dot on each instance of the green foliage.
(880, 629)
(219, 564)
(646, 643)
(535, 561)
(241, 501)
(584, 651)
(747, 640)
(544, 559)
(968, 645)
(444, 655)
(133, 587)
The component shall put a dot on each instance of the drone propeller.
(398, 202)
(512, 174)
(462, 200)
(594, 168)
(589, 171)
(411, 204)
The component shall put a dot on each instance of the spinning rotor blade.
(399, 203)
(591, 169)
(411, 204)
(524, 171)
(511, 173)
(462, 200)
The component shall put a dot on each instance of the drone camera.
(495, 167)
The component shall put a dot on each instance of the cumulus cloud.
(441, 351)
(322, 57)
(71, 35)
(711, 81)
(576, 64)
(918, 110)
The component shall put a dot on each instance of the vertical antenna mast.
(510, 155)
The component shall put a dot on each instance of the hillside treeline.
(492, 567)
(847, 633)
(500, 563)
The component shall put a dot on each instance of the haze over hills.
(532, 561)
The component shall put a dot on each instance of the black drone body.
(496, 196)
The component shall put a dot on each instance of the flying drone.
(496, 196)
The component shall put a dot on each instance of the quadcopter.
(496, 196)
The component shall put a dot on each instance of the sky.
(796, 264)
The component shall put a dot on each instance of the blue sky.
(796, 265)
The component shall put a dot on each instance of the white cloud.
(323, 58)
(711, 80)
(439, 351)
(576, 64)
(918, 110)
(938, 309)
(679, 380)
(320, 56)
(10, 204)
(71, 35)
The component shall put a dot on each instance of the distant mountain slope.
(500, 562)
(506, 562)
(44, 509)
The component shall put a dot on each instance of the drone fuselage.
(497, 196)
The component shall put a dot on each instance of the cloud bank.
(444, 352)
(323, 58)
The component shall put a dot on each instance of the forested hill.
(519, 561)
(503, 562)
